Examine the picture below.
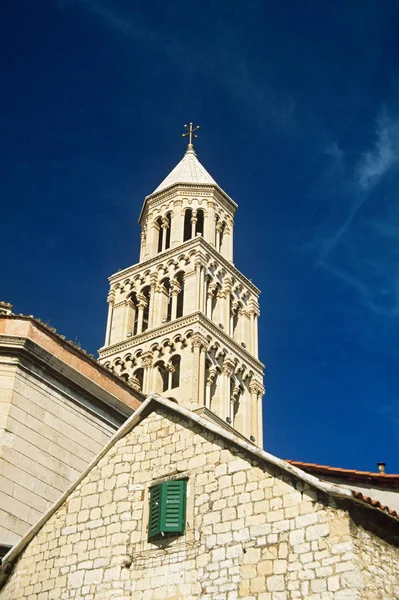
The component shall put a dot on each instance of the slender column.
(142, 303)
(152, 309)
(153, 249)
(201, 377)
(143, 237)
(210, 231)
(199, 278)
(193, 223)
(110, 300)
(171, 370)
(165, 226)
(219, 227)
(146, 361)
(199, 344)
(202, 289)
(257, 390)
(176, 234)
(175, 290)
(226, 313)
(209, 383)
(228, 367)
(233, 401)
(210, 293)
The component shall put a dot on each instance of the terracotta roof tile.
(391, 480)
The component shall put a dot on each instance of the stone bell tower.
(184, 321)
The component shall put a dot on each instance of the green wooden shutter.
(167, 508)
(175, 506)
(154, 525)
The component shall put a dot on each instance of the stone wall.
(46, 440)
(252, 532)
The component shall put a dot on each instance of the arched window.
(146, 313)
(175, 362)
(160, 233)
(166, 301)
(138, 378)
(167, 231)
(180, 297)
(161, 377)
(199, 226)
(187, 224)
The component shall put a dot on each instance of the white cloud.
(375, 163)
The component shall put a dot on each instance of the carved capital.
(198, 341)
(146, 360)
(228, 367)
(256, 387)
(211, 376)
(219, 226)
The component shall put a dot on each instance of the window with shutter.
(167, 509)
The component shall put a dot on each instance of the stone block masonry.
(253, 532)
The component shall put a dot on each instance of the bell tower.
(183, 321)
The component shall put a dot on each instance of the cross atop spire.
(190, 132)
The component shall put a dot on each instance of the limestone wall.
(252, 532)
(46, 440)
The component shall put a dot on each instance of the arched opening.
(160, 377)
(167, 231)
(166, 301)
(146, 312)
(138, 378)
(175, 362)
(180, 298)
(160, 233)
(187, 224)
(132, 316)
(199, 226)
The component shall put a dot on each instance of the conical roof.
(188, 170)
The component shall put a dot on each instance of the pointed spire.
(189, 169)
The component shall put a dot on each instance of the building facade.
(58, 407)
(184, 321)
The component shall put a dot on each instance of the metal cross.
(190, 133)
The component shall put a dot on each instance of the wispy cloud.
(369, 170)
(375, 163)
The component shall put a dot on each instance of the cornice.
(177, 326)
(184, 247)
(188, 189)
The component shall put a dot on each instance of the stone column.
(199, 344)
(143, 237)
(256, 388)
(210, 292)
(146, 361)
(110, 300)
(152, 309)
(210, 224)
(171, 369)
(253, 314)
(175, 291)
(209, 383)
(141, 304)
(228, 368)
(165, 226)
(176, 234)
(153, 247)
(193, 223)
(233, 401)
(219, 227)
(227, 311)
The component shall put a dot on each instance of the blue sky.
(298, 104)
